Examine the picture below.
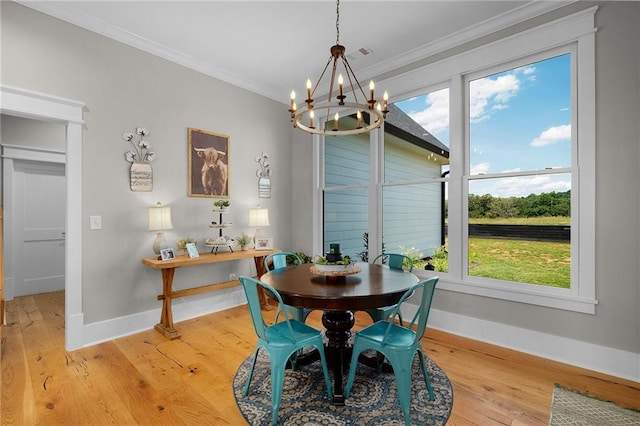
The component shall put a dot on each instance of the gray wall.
(124, 88)
(616, 323)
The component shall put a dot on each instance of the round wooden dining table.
(375, 286)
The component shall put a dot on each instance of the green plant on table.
(244, 240)
(182, 243)
(222, 204)
(346, 260)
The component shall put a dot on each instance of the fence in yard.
(557, 233)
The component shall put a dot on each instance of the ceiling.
(272, 47)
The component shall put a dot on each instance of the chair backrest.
(250, 286)
(279, 260)
(396, 261)
(422, 314)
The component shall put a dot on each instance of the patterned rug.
(373, 399)
(572, 408)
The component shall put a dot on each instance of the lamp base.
(159, 243)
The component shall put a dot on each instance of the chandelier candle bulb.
(359, 116)
(340, 83)
(335, 121)
(371, 89)
(311, 117)
(308, 89)
(293, 100)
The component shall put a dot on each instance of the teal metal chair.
(399, 344)
(280, 340)
(277, 261)
(395, 261)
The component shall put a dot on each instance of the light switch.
(95, 222)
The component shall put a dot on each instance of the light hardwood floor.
(147, 379)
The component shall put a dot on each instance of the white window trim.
(578, 28)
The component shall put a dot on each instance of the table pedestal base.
(338, 325)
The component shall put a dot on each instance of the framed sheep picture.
(208, 164)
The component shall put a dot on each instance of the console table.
(168, 269)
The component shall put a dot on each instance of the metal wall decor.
(140, 172)
(264, 176)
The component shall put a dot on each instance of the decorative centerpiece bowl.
(343, 265)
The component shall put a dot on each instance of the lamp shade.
(160, 218)
(258, 217)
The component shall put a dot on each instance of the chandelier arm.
(353, 86)
(333, 78)
(321, 76)
(348, 67)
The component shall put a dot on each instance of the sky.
(520, 120)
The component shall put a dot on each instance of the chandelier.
(335, 107)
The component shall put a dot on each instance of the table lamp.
(258, 218)
(159, 220)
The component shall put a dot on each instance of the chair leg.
(353, 366)
(425, 373)
(277, 382)
(403, 383)
(325, 369)
(253, 364)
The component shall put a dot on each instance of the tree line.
(534, 205)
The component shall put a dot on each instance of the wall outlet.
(233, 276)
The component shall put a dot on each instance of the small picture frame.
(167, 254)
(264, 243)
(192, 250)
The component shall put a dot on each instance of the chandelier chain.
(337, 21)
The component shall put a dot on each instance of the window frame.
(575, 32)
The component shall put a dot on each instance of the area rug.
(573, 408)
(373, 399)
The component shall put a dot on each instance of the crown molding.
(518, 15)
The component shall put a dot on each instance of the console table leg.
(165, 326)
(260, 271)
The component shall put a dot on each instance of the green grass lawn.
(535, 262)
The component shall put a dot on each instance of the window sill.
(566, 302)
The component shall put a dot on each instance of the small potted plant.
(244, 240)
(221, 205)
(182, 244)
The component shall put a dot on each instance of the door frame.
(39, 106)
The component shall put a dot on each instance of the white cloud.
(480, 169)
(435, 118)
(521, 186)
(553, 135)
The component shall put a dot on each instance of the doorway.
(36, 253)
(39, 106)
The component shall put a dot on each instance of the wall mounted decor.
(208, 164)
(140, 172)
(264, 176)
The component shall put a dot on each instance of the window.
(502, 134)
(520, 172)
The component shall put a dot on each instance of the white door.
(39, 193)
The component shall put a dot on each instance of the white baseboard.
(183, 309)
(603, 359)
(593, 357)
